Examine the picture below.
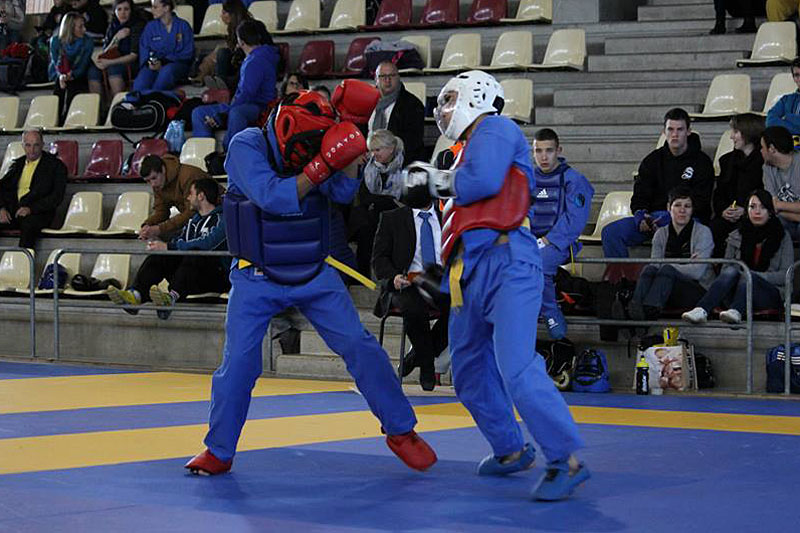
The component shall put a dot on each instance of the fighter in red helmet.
(276, 211)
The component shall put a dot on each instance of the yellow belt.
(338, 265)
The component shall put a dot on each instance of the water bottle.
(642, 376)
(175, 135)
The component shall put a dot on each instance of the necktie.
(426, 240)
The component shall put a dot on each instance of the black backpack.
(12, 74)
(145, 111)
(559, 357)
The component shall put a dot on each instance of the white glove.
(440, 182)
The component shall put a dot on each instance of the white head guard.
(477, 94)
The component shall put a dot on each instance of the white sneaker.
(731, 316)
(697, 315)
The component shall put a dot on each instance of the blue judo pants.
(239, 117)
(495, 364)
(324, 300)
(164, 79)
(623, 233)
(552, 258)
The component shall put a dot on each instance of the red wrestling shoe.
(206, 464)
(412, 450)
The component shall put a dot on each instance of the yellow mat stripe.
(117, 390)
(30, 454)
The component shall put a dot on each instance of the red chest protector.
(504, 211)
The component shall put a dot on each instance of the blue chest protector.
(548, 201)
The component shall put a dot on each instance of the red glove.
(342, 144)
(355, 100)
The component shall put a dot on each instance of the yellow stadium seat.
(565, 49)
(185, 12)
(513, 51)
(303, 17)
(13, 151)
(775, 43)
(462, 52)
(616, 205)
(71, 262)
(724, 146)
(417, 88)
(106, 266)
(728, 95)
(212, 23)
(43, 112)
(267, 12)
(196, 149)
(518, 99)
(9, 112)
(131, 210)
(15, 273)
(84, 112)
(347, 15)
(84, 214)
(780, 85)
(423, 45)
(532, 11)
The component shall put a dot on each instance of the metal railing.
(31, 288)
(787, 326)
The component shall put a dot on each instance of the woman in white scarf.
(382, 173)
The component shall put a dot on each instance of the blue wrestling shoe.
(491, 466)
(557, 483)
(557, 327)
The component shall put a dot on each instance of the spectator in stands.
(292, 83)
(674, 285)
(256, 86)
(679, 160)
(780, 10)
(70, 56)
(766, 248)
(324, 91)
(170, 180)
(786, 111)
(220, 68)
(408, 241)
(747, 9)
(740, 173)
(399, 111)
(560, 212)
(119, 59)
(186, 274)
(94, 14)
(32, 189)
(53, 19)
(782, 176)
(384, 166)
(166, 49)
(12, 17)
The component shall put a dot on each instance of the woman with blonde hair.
(70, 56)
(384, 167)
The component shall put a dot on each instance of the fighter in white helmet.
(494, 274)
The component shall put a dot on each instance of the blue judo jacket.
(786, 113)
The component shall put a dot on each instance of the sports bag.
(46, 282)
(559, 358)
(591, 372)
(776, 369)
(402, 53)
(145, 111)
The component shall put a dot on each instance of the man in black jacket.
(680, 161)
(32, 189)
(409, 240)
(399, 111)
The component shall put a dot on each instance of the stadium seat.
(67, 152)
(106, 266)
(518, 99)
(114, 101)
(565, 50)
(513, 51)
(487, 11)
(84, 214)
(532, 11)
(70, 261)
(9, 112)
(442, 143)
(355, 61)
(616, 205)
(43, 112)
(105, 160)
(728, 95)
(83, 113)
(423, 45)
(267, 12)
(317, 59)
(780, 85)
(131, 210)
(348, 15)
(212, 27)
(775, 44)
(462, 52)
(144, 148)
(392, 15)
(417, 88)
(303, 17)
(186, 12)
(196, 149)
(439, 13)
(724, 146)
(15, 273)
(13, 151)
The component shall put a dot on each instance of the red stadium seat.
(146, 147)
(105, 160)
(355, 61)
(316, 59)
(487, 11)
(392, 14)
(439, 13)
(67, 152)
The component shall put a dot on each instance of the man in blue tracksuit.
(255, 90)
(277, 221)
(562, 201)
(786, 111)
(494, 276)
(166, 49)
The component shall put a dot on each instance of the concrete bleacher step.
(676, 2)
(699, 43)
(694, 11)
(631, 97)
(666, 61)
(595, 151)
(604, 115)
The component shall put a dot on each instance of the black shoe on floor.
(409, 363)
(718, 29)
(427, 379)
(290, 341)
(749, 26)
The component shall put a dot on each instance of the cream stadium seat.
(267, 12)
(131, 210)
(15, 272)
(347, 15)
(775, 43)
(213, 26)
(71, 262)
(462, 52)
(114, 101)
(518, 99)
(43, 112)
(84, 214)
(565, 49)
(13, 151)
(616, 205)
(195, 150)
(780, 85)
(513, 51)
(303, 17)
(728, 95)
(9, 112)
(532, 11)
(106, 266)
(84, 112)
(423, 46)
(185, 12)
(724, 146)
(417, 88)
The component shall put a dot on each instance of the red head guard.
(301, 120)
